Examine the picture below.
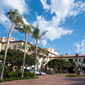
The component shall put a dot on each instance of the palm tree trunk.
(24, 56)
(35, 55)
(43, 63)
(47, 64)
(9, 36)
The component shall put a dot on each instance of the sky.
(64, 20)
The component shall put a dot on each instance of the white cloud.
(43, 42)
(14, 4)
(54, 32)
(78, 48)
(62, 9)
(45, 5)
(6, 5)
(81, 47)
(25, 21)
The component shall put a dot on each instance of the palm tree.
(36, 34)
(14, 18)
(77, 59)
(44, 52)
(77, 62)
(26, 29)
(47, 54)
(32, 50)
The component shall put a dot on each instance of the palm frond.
(19, 29)
(14, 16)
(33, 27)
(44, 33)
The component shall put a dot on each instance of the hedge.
(17, 78)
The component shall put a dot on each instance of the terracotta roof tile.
(65, 56)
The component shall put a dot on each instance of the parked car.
(41, 73)
(32, 71)
(50, 72)
(36, 72)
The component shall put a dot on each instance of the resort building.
(78, 60)
(15, 45)
(42, 58)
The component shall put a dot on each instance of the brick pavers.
(57, 79)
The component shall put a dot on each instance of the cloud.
(78, 48)
(14, 4)
(54, 32)
(45, 5)
(25, 21)
(62, 9)
(6, 5)
(81, 47)
(43, 42)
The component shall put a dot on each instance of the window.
(83, 60)
(71, 60)
(14, 47)
(79, 60)
(76, 60)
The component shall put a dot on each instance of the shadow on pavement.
(76, 80)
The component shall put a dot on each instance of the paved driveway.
(57, 79)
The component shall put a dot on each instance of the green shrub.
(11, 74)
(28, 74)
(75, 75)
(19, 74)
(1, 80)
(16, 78)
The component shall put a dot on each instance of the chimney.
(67, 53)
(4, 39)
(30, 43)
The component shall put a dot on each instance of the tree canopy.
(15, 58)
(59, 64)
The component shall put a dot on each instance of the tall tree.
(77, 59)
(36, 34)
(14, 18)
(47, 54)
(77, 54)
(25, 29)
(32, 50)
(44, 54)
(59, 64)
(15, 59)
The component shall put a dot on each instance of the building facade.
(53, 54)
(15, 44)
(80, 60)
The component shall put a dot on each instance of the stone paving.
(57, 79)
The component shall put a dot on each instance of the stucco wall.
(11, 45)
(74, 60)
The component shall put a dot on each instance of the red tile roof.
(68, 56)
